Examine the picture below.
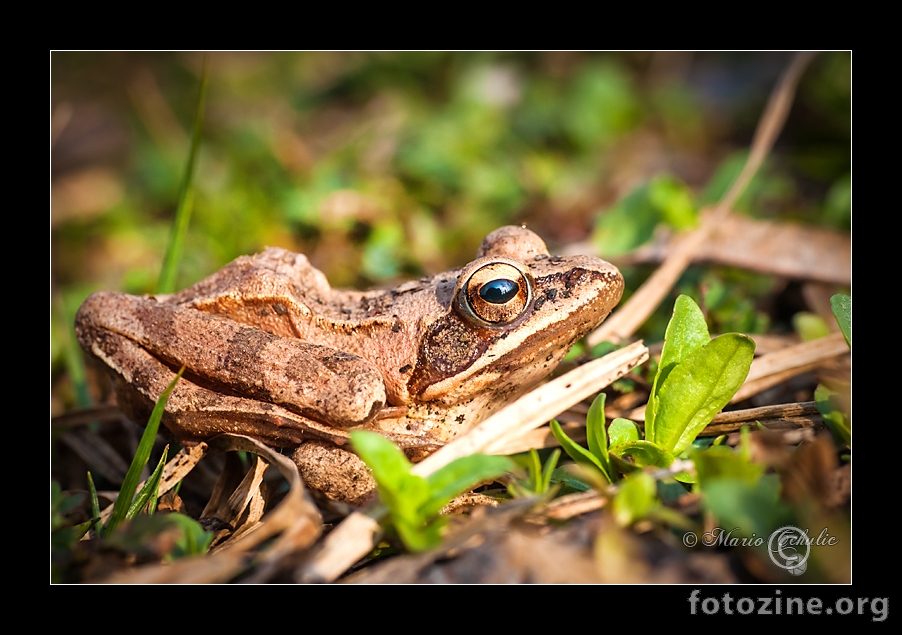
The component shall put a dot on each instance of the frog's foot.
(335, 472)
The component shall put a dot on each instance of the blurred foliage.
(381, 166)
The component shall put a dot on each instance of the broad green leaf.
(387, 462)
(142, 455)
(577, 452)
(699, 387)
(595, 433)
(459, 476)
(420, 536)
(635, 499)
(643, 453)
(841, 304)
(413, 500)
(622, 431)
(686, 333)
(402, 492)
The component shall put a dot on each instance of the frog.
(270, 350)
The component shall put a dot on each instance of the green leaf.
(636, 498)
(643, 453)
(459, 476)
(142, 455)
(95, 504)
(627, 225)
(562, 475)
(402, 492)
(622, 431)
(419, 537)
(596, 435)
(577, 452)
(842, 311)
(548, 471)
(412, 500)
(833, 417)
(148, 495)
(194, 540)
(699, 387)
(686, 333)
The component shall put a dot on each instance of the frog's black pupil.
(499, 291)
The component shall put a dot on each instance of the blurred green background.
(381, 166)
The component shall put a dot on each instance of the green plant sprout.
(827, 400)
(539, 477)
(127, 504)
(841, 304)
(414, 502)
(131, 502)
(696, 377)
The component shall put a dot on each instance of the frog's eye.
(496, 293)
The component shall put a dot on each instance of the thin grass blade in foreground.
(142, 454)
(295, 518)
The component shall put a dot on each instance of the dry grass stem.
(350, 541)
(774, 368)
(241, 500)
(626, 320)
(771, 247)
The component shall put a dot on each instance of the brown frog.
(272, 351)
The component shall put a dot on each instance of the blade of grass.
(142, 454)
(166, 283)
(550, 464)
(95, 505)
(150, 492)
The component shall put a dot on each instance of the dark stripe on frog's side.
(453, 344)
